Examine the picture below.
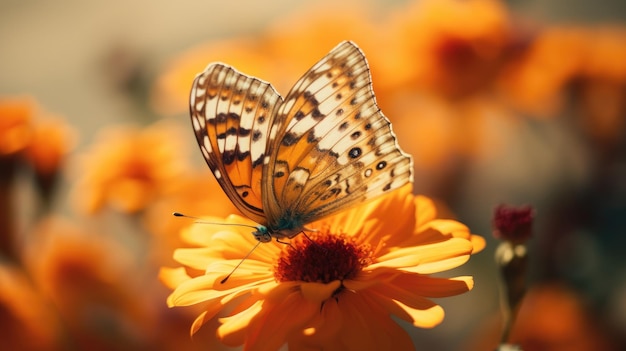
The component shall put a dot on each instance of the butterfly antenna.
(239, 264)
(200, 220)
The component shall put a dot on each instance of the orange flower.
(313, 31)
(92, 282)
(15, 124)
(278, 55)
(51, 140)
(537, 81)
(450, 47)
(128, 168)
(554, 317)
(336, 288)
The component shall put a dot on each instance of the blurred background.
(516, 102)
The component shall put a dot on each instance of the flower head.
(453, 48)
(337, 287)
(16, 115)
(128, 168)
(52, 139)
(513, 223)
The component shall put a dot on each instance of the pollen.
(322, 258)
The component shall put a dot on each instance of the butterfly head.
(262, 234)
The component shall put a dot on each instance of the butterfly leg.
(284, 242)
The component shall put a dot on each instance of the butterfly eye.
(262, 235)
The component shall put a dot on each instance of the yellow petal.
(403, 294)
(172, 277)
(370, 219)
(425, 210)
(420, 256)
(438, 266)
(318, 292)
(203, 288)
(196, 258)
(231, 328)
(448, 226)
(478, 242)
(427, 318)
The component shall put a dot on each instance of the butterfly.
(286, 162)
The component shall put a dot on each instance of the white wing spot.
(231, 143)
(288, 105)
(205, 153)
(196, 124)
(299, 176)
(207, 143)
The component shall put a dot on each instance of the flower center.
(323, 258)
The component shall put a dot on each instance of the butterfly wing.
(332, 146)
(231, 114)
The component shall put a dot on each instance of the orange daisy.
(52, 139)
(128, 168)
(453, 48)
(335, 288)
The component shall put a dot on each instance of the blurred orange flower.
(336, 290)
(279, 55)
(537, 81)
(26, 322)
(450, 47)
(52, 139)
(92, 281)
(128, 168)
(16, 116)
(313, 31)
(554, 317)
(170, 94)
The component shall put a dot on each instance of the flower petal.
(432, 287)
(196, 258)
(438, 266)
(234, 328)
(318, 292)
(202, 288)
(369, 220)
(366, 325)
(425, 258)
(478, 242)
(277, 291)
(172, 277)
(424, 318)
(403, 294)
(426, 210)
(271, 328)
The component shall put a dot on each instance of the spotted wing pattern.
(231, 114)
(326, 147)
(331, 146)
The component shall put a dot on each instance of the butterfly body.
(288, 162)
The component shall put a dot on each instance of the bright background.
(99, 64)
